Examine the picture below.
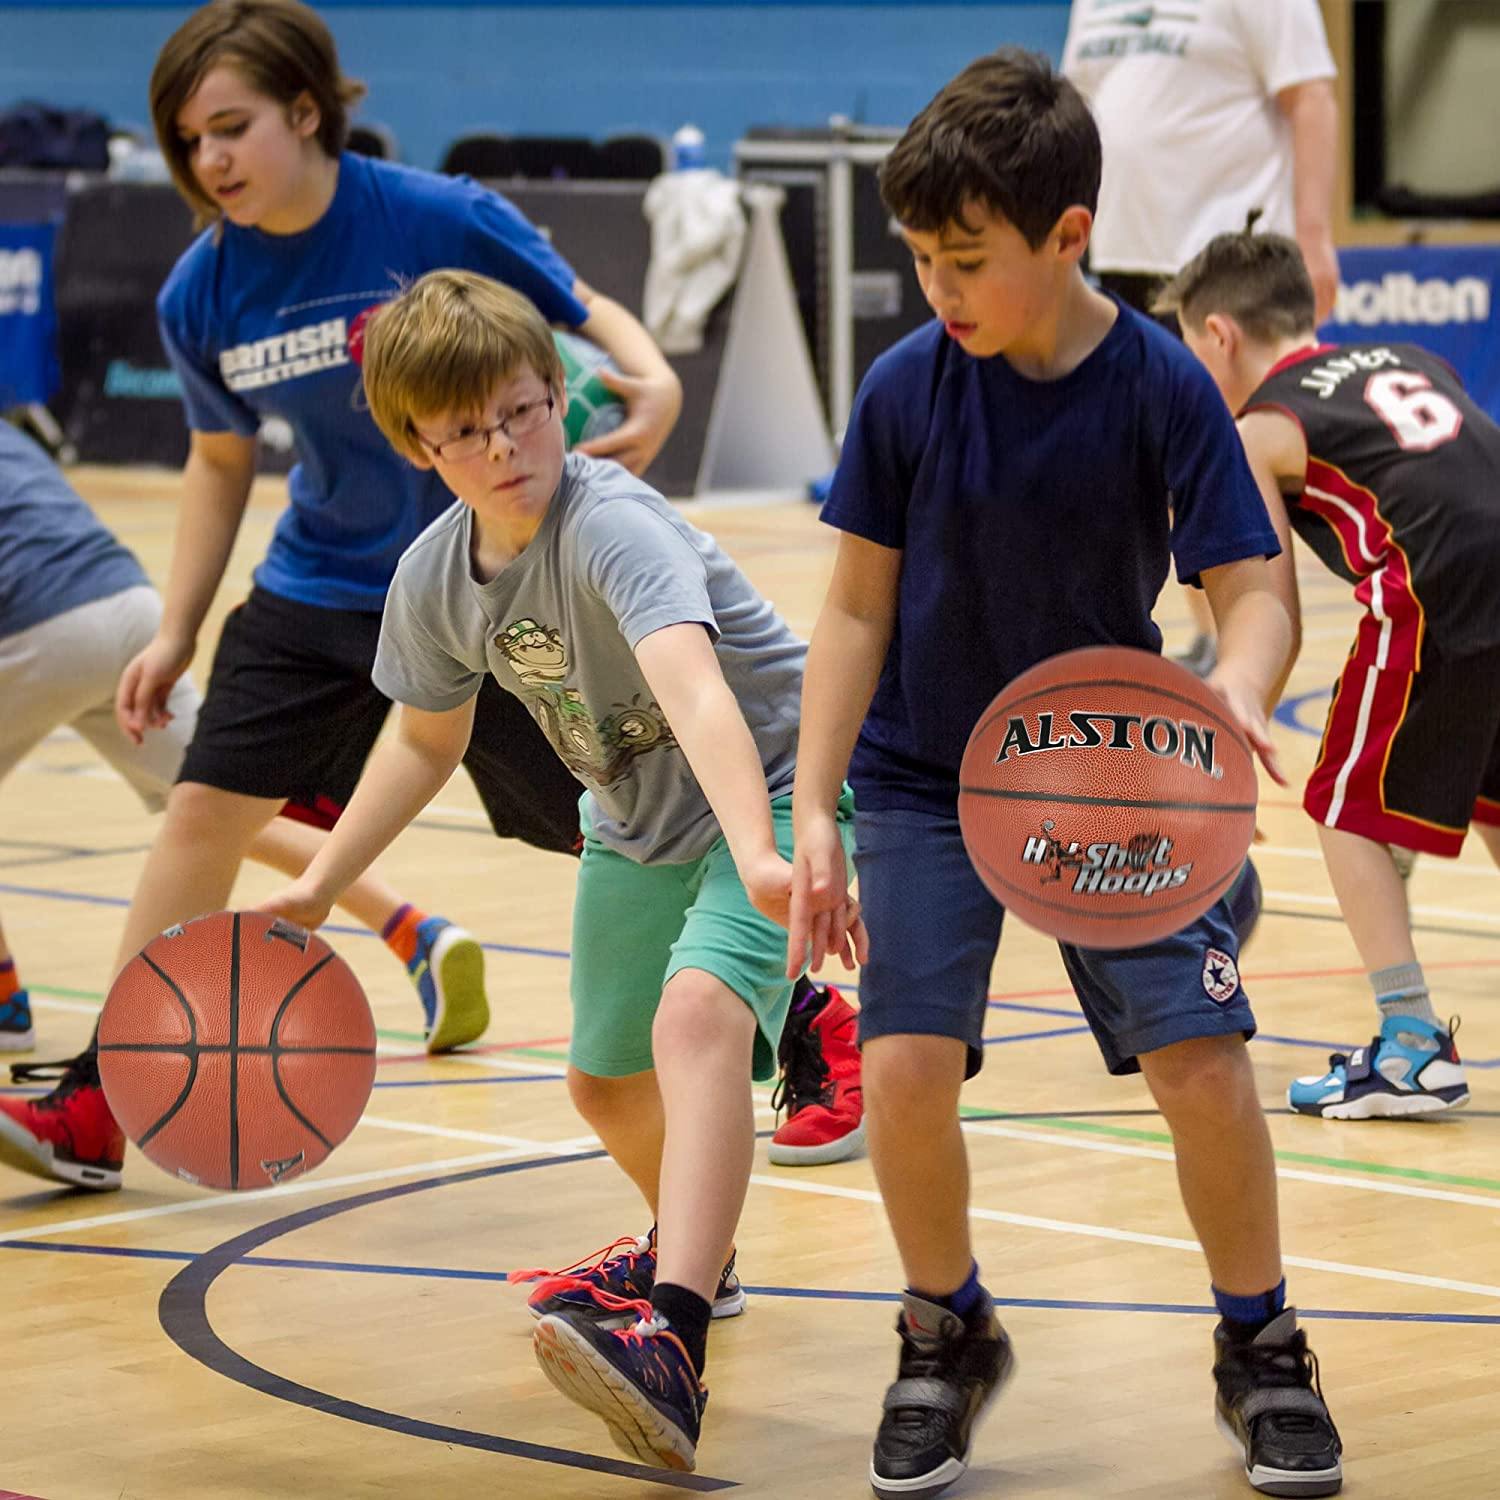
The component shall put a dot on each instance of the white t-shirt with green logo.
(1184, 93)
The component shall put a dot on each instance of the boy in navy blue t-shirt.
(1015, 480)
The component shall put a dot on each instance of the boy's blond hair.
(443, 345)
(1259, 280)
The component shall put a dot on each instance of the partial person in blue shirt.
(1014, 482)
(75, 606)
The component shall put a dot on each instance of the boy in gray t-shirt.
(670, 689)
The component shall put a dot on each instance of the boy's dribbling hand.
(824, 917)
(1244, 703)
(303, 904)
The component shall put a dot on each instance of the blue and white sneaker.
(1389, 1077)
(448, 971)
(16, 1031)
(640, 1380)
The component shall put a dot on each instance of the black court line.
(183, 1313)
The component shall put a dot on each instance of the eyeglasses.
(523, 420)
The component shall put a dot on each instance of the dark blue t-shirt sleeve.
(877, 465)
(1218, 515)
(503, 243)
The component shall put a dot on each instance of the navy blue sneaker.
(1270, 1405)
(639, 1380)
(448, 971)
(950, 1372)
(627, 1277)
(16, 1031)
(1245, 902)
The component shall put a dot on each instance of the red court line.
(16, 1495)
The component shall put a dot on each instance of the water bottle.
(687, 149)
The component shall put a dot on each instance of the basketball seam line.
(192, 1021)
(281, 1010)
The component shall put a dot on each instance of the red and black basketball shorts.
(1411, 752)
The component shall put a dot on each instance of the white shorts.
(65, 671)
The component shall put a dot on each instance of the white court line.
(1291, 1174)
(1457, 913)
(287, 1190)
(1433, 864)
(1158, 1241)
(451, 1133)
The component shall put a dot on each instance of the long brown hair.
(281, 48)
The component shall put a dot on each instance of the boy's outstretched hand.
(824, 917)
(300, 903)
(1244, 703)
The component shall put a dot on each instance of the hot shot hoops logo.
(1141, 866)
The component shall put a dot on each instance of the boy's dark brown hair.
(1009, 133)
(281, 48)
(1259, 280)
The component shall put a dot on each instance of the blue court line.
(182, 1311)
(1034, 1036)
(804, 1293)
(1044, 1010)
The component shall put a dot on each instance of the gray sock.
(1401, 990)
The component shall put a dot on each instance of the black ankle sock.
(688, 1316)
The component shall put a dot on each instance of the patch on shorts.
(1221, 979)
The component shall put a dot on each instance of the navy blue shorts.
(934, 928)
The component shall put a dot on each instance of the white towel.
(697, 235)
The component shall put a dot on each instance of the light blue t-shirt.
(55, 553)
(260, 325)
(558, 627)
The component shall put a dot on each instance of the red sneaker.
(68, 1134)
(820, 1081)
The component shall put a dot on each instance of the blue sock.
(1246, 1316)
(964, 1300)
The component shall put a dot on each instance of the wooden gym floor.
(352, 1334)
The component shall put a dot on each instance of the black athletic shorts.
(291, 712)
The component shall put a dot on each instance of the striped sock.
(1401, 990)
(10, 981)
(400, 933)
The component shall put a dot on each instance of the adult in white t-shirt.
(1208, 109)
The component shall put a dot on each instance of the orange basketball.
(1107, 798)
(237, 1050)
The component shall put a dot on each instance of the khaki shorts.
(64, 671)
(635, 926)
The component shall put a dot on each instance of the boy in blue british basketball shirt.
(1018, 475)
(1387, 470)
(261, 319)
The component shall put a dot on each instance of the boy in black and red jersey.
(1391, 474)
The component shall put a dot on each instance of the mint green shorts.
(635, 926)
